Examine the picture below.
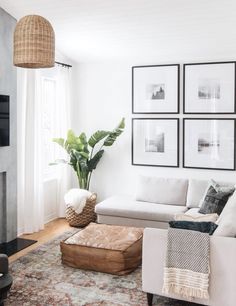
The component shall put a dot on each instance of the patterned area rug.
(40, 279)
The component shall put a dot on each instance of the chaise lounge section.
(125, 210)
(157, 201)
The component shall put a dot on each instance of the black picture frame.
(184, 88)
(178, 89)
(177, 141)
(210, 168)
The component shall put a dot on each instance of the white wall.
(186, 32)
(104, 97)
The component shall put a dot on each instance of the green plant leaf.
(71, 138)
(79, 163)
(92, 163)
(73, 161)
(83, 139)
(58, 161)
(121, 124)
(84, 154)
(75, 143)
(80, 155)
(114, 134)
(96, 137)
(84, 167)
(59, 141)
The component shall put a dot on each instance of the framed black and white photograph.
(209, 88)
(155, 142)
(155, 89)
(209, 143)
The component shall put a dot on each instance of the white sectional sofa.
(156, 203)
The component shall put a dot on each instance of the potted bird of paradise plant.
(84, 155)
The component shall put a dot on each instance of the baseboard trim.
(50, 218)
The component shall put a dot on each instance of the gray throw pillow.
(215, 199)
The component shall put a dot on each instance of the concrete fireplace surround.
(8, 155)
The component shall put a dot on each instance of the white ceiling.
(88, 30)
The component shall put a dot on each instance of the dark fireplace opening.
(16, 245)
(4, 121)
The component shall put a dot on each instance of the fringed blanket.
(186, 271)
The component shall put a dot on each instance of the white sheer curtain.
(63, 123)
(31, 146)
(30, 178)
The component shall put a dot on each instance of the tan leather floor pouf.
(104, 248)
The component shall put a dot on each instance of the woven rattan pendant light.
(34, 43)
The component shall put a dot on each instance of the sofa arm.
(222, 267)
(3, 264)
(154, 252)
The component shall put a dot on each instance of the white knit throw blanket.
(186, 271)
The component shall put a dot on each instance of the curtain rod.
(63, 64)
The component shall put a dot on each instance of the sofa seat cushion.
(194, 212)
(203, 218)
(127, 207)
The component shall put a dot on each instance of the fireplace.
(9, 244)
(8, 137)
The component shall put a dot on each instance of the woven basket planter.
(86, 216)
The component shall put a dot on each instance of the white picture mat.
(143, 76)
(146, 128)
(224, 133)
(224, 73)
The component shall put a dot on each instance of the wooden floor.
(51, 230)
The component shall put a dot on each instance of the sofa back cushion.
(167, 191)
(196, 191)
